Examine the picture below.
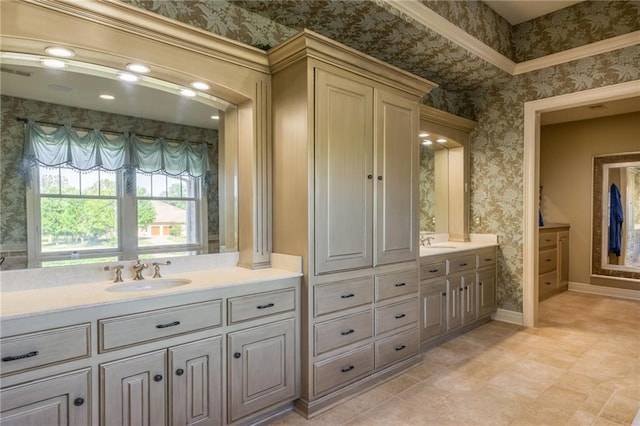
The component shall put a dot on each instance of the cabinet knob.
(444, 294)
(78, 402)
(379, 177)
(157, 378)
(461, 289)
(179, 372)
(237, 355)
(480, 283)
(369, 176)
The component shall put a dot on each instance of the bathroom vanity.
(220, 349)
(457, 288)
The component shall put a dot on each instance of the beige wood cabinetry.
(164, 365)
(457, 292)
(345, 157)
(553, 260)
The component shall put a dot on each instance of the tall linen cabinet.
(345, 190)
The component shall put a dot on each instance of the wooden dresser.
(553, 260)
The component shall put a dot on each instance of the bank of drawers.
(379, 327)
(34, 350)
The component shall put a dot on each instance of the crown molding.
(433, 21)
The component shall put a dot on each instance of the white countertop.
(454, 246)
(45, 300)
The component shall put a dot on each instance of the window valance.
(66, 146)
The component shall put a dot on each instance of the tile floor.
(581, 366)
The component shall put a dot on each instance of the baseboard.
(621, 293)
(512, 317)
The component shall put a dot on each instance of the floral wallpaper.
(583, 23)
(469, 87)
(427, 189)
(13, 228)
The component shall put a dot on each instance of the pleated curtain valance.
(65, 146)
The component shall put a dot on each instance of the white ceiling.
(518, 11)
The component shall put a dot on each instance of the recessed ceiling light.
(187, 92)
(441, 140)
(423, 134)
(107, 97)
(61, 52)
(215, 117)
(426, 142)
(200, 85)
(125, 76)
(53, 63)
(139, 68)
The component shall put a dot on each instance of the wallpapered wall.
(13, 228)
(469, 87)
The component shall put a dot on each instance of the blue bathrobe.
(616, 217)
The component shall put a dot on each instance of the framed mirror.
(615, 245)
(444, 174)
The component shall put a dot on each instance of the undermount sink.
(148, 285)
(437, 247)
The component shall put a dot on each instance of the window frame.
(127, 224)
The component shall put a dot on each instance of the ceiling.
(519, 11)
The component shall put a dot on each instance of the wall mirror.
(88, 96)
(616, 216)
(444, 174)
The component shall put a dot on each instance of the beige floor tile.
(620, 409)
(603, 365)
(580, 418)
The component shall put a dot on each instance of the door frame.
(531, 182)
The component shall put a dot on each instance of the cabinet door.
(434, 309)
(133, 391)
(396, 141)
(344, 173)
(261, 367)
(60, 400)
(487, 292)
(196, 383)
(469, 303)
(454, 295)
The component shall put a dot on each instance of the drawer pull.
(488, 259)
(548, 283)
(346, 296)
(399, 348)
(463, 264)
(179, 372)
(17, 357)
(548, 260)
(346, 369)
(433, 270)
(171, 324)
(157, 378)
(237, 355)
(268, 305)
(400, 284)
(400, 316)
(78, 402)
(346, 333)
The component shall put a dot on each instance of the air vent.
(16, 72)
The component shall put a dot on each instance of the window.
(87, 215)
(81, 216)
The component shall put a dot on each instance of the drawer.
(432, 270)
(33, 350)
(342, 331)
(547, 240)
(342, 295)
(461, 263)
(127, 330)
(397, 284)
(547, 261)
(395, 316)
(337, 371)
(395, 348)
(486, 257)
(259, 305)
(547, 283)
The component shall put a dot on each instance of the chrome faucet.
(429, 240)
(156, 268)
(118, 274)
(137, 270)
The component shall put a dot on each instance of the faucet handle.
(156, 268)
(118, 274)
